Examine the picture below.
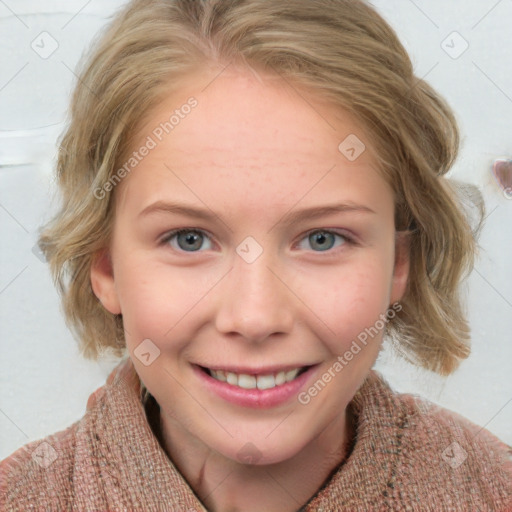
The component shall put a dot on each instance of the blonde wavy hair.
(346, 53)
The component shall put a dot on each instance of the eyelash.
(347, 238)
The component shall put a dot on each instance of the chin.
(259, 452)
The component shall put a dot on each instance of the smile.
(246, 381)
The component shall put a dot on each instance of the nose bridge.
(255, 303)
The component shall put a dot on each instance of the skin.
(251, 152)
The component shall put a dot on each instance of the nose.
(255, 302)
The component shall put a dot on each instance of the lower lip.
(255, 398)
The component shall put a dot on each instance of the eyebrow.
(288, 218)
(322, 211)
(177, 208)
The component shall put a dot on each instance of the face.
(247, 246)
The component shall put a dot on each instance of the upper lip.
(260, 370)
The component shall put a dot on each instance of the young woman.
(252, 197)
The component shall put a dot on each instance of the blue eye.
(321, 240)
(196, 240)
(189, 240)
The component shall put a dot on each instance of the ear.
(401, 266)
(102, 281)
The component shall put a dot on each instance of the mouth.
(255, 380)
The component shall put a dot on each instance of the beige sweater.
(407, 456)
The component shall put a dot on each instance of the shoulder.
(39, 472)
(443, 457)
(98, 462)
(43, 473)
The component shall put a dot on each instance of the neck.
(226, 485)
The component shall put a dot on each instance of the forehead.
(251, 137)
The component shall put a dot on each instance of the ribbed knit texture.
(110, 460)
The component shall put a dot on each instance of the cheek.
(348, 301)
(152, 300)
(158, 301)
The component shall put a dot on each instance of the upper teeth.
(245, 381)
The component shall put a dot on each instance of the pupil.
(323, 241)
(189, 240)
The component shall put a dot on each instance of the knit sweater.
(407, 455)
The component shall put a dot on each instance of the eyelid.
(349, 237)
(341, 232)
(166, 237)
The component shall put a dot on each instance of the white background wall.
(45, 383)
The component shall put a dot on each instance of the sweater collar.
(140, 474)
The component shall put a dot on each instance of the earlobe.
(102, 281)
(402, 265)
